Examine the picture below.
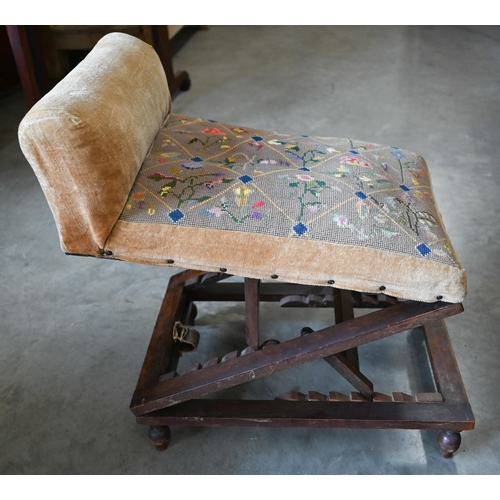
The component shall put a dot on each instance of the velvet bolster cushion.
(88, 137)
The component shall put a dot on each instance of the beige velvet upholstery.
(199, 194)
(87, 138)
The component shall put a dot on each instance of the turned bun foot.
(448, 442)
(159, 437)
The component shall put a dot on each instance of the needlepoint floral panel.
(202, 173)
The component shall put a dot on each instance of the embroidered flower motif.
(340, 220)
(352, 160)
(239, 130)
(157, 176)
(258, 204)
(193, 166)
(363, 209)
(217, 211)
(258, 145)
(212, 131)
(212, 184)
(304, 177)
(161, 160)
(256, 215)
(138, 196)
(242, 193)
(397, 154)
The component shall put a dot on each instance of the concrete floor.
(74, 331)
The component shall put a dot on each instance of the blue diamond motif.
(305, 169)
(176, 215)
(257, 138)
(196, 158)
(404, 187)
(245, 179)
(353, 151)
(361, 195)
(212, 121)
(300, 228)
(423, 249)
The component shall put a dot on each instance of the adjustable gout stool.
(305, 221)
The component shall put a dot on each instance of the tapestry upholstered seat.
(126, 179)
(321, 210)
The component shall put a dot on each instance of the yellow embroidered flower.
(165, 190)
(151, 210)
(242, 193)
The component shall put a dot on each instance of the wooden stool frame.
(163, 397)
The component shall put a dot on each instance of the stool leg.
(448, 442)
(159, 437)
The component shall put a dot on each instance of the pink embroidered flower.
(341, 220)
(157, 176)
(352, 160)
(304, 177)
(212, 131)
(161, 160)
(258, 204)
(258, 144)
(217, 211)
(212, 184)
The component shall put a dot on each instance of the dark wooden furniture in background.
(42, 53)
(164, 397)
(9, 77)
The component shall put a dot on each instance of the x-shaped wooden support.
(162, 397)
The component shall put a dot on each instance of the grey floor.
(73, 331)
